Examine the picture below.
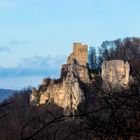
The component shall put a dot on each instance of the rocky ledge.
(75, 82)
(67, 91)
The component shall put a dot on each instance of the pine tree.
(92, 58)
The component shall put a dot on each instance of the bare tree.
(127, 49)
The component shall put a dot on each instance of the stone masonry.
(80, 53)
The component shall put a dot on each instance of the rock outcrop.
(75, 81)
(34, 96)
(115, 74)
(67, 91)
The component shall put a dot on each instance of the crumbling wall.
(80, 53)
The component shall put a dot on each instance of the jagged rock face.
(80, 71)
(34, 96)
(79, 54)
(66, 91)
(115, 74)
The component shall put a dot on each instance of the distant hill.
(5, 93)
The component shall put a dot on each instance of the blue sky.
(37, 35)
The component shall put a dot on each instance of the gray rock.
(66, 92)
(115, 74)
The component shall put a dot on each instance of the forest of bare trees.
(103, 115)
(127, 49)
(117, 116)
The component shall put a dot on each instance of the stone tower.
(80, 53)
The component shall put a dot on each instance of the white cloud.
(47, 62)
(31, 71)
(6, 47)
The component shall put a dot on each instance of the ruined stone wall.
(80, 53)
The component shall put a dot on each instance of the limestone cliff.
(66, 91)
(115, 74)
(75, 81)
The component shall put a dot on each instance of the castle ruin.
(66, 91)
(80, 53)
(69, 90)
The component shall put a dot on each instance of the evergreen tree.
(92, 58)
